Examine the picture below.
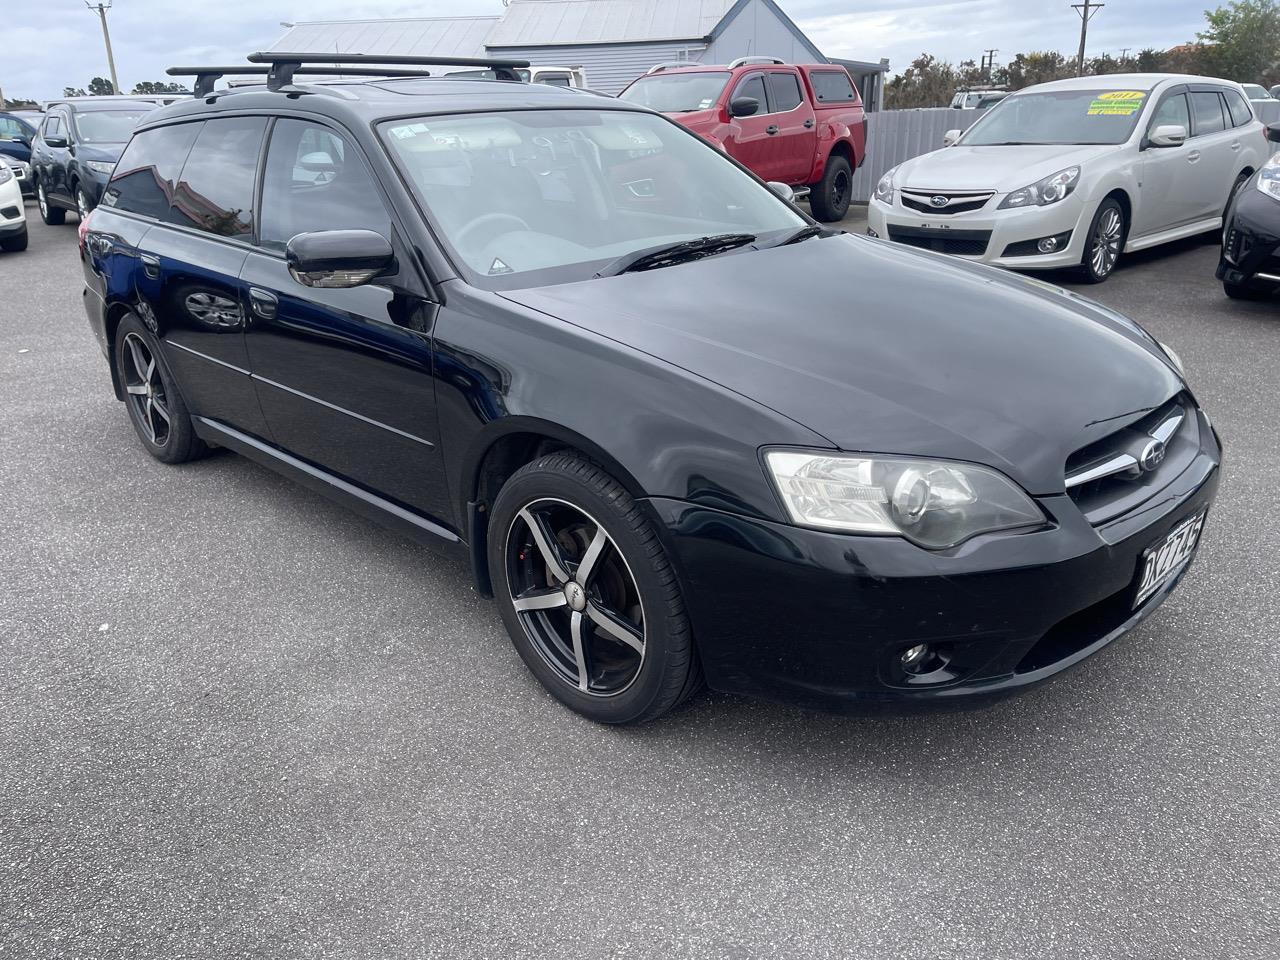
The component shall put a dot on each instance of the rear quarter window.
(1240, 112)
(784, 88)
(1206, 112)
(832, 86)
(148, 169)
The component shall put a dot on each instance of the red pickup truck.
(798, 124)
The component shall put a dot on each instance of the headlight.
(1044, 192)
(6, 174)
(1269, 177)
(1177, 360)
(933, 503)
(101, 166)
(884, 189)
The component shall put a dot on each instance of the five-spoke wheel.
(145, 389)
(155, 405)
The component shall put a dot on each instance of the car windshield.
(107, 126)
(1059, 117)
(534, 197)
(677, 92)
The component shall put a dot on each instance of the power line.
(989, 63)
(1086, 10)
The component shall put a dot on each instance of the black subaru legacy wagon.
(681, 432)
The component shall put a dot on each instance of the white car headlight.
(1051, 189)
(1177, 360)
(934, 503)
(101, 166)
(884, 189)
(1269, 177)
(6, 172)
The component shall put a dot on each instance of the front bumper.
(1251, 240)
(823, 619)
(1000, 233)
(13, 216)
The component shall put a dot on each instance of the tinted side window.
(1173, 111)
(144, 177)
(10, 128)
(215, 192)
(53, 126)
(316, 181)
(785, 90)
(753, 87)
(1240, 112)
(832, 86)
(1206, 107)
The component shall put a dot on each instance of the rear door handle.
(151, 265)
(771, 129)
(264, 303)
(1235, 145)
(808, 124)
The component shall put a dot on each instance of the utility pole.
(989, 63)
(101, 8)
(1086, 11)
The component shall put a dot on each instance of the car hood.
(890, 350)
(991, 168)
(107, 152)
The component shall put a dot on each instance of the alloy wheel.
(839, 188)
(82, 204)
(146, 390)
(41, 201)
(575, 596)
(1106, 242)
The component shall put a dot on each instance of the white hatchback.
(1072, 173)
(13, 218)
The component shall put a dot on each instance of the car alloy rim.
(840, 188)
(576, 597)
(145, 389)
(41, 201)
(1106, 243)
(82, 204)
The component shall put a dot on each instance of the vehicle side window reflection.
(315, 181)
(1207, 107)
(753, 87)
(148, 169)
(1173, 111)
(215, 192)
(785, 88)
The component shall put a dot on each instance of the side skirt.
(361, 501)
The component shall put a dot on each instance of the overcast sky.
(65, 49)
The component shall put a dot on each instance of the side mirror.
(744, 107)
(950, 137)
(1273, 132)
(1168, 135)
(782, 190)
(338, 258)
(55, 141)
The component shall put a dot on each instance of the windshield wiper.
(803, 233)
(669, 254)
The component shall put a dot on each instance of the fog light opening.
(913, 657)
(1047, 245)
(872, 233)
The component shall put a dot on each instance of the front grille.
(962, 202)
(1114, 475)
(961, 243)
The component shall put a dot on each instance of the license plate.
(1165, 560)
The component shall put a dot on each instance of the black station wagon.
(680, 431)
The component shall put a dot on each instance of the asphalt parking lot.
(240, 721)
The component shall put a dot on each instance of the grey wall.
(897, 135)
(756, 32)
(609, 66)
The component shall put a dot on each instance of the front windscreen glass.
(677, 92)
(107, 126)
(1059, 117)
(532, 197)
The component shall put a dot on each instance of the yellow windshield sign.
(1117, 103)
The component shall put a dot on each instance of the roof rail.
(206, 77)
(671, 65)
(284, 65)
(743, 61)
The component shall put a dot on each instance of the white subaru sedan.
(1070, 174)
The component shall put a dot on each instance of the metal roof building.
(614, 41)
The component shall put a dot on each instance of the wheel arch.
(115, 313)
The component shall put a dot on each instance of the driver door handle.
(263, 302)
(771, 129)
(1193, 156)
(151, 265)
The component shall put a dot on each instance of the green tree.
(1042, 66)
(928, 82)
(100, 87)
(152, 87)
(1149, 60)
(74, 92)
(1243, 41)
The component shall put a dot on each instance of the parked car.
(802, 125)
(565, 339)
(22, 173)
(575, 77)
(1070, 174)
(1256, 91)
(76, 149)
(13, 218)
(978, 99)
(16, 135)
(1250, 264)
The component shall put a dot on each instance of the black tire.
(829, 197)
(598, 677)
(170, 437)
(53, 216)
(15, 244)
(83, 206)
(1109, 220)
(1243, 291)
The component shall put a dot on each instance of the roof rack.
(284, 65)
(206, 77)
(672, 65)
(743, 61)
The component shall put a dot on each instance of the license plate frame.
(1168, 557)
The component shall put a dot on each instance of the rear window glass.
(215, 193)
(148, 168)
(1206, 110)
(784, 88)
(832, 86)
(1240, 112)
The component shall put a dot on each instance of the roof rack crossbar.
(672, 65)
(206, 77)
(744, 61)
(284, 64)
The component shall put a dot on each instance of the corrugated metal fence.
(894, 136)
